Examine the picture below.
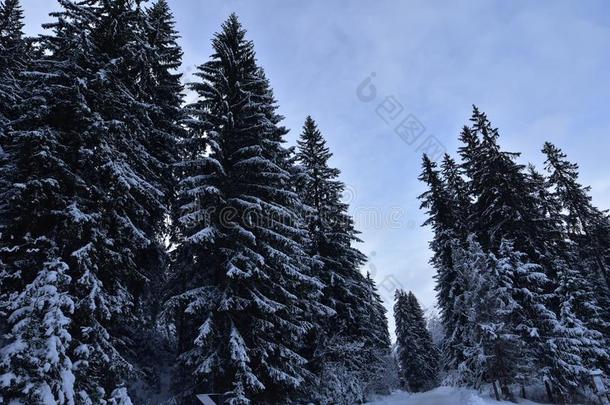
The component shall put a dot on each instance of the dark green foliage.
(358, 319)
(528, 280)
(244, 293)
(418, 358)
(445, 203)
(89, 190)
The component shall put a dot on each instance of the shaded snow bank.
(441, 396)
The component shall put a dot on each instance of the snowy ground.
(441, 396)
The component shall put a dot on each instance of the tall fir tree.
(418, 357)
(13, 57)
(503, 206)
(505, 210)
(37, 214)
(12, 62)
(587, 226)
(244, 296)
(517, 217)
(574, 347)
(494, 350)
(89, 190)
(159, 88)
(376, 340)
(459, 196)
(442, 207)
(591, 302)
(347, 291)
(582, 291)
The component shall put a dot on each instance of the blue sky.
(539, 70)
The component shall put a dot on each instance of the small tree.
(417, 355)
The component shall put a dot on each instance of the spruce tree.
(244, 296)
(470, 264)
(161, 84)
(517, 220)
(587, 226)
(459, 196)
(157, 84)
(12, 62)
(444, 219)
(494, 350)
(87, 177)
(503, 206)
(573, 349)
(35, 366)
(581, 292)
(376, 339)
(591, 302)
(505, 210)
(347, 291)
(37, 217)
(417, 355)
(13, 58)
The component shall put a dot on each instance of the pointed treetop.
(160, 10)
(232, 47)
(557, 160)
(160, 5)
(11, 23)
(232, 27)
(312, 144)
(430, 174)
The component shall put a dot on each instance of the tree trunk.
(549, 392)
(496, 392)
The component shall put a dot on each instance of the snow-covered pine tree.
(574, 349)
(161, 87)
(443, 218)
(36, 221)
(13, 57)
(581, 293)
(156, 82)
(12, 61)
(506, 208)
(35, 367)
(243, 297)
(87, 177)
(131, 168)
(493, 348)
(376, 340)
(503, 207)
(592, 303)
(347, 290)
(503, 317)
(457, 189)
(489, 348)
(587, 226)
(417, 355)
